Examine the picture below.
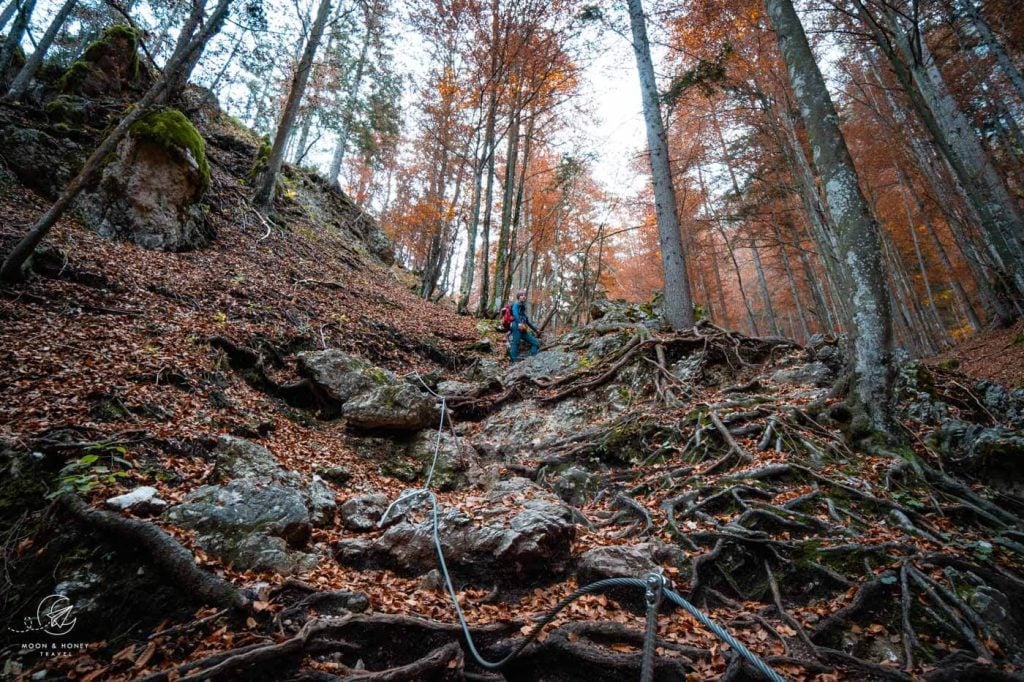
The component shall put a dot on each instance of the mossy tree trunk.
(860, 245)
(191, 41)
(264, 195)
(20, 83)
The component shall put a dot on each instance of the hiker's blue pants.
(518, 336)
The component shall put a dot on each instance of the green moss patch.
(116, 32)
(171, 129)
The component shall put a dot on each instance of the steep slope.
(278, 389)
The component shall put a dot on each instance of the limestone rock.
(143, 500)
(625, 561)
(260, 515)
(340, 375)
(399, 407)
(575, 486)
(150, 192)
(524, 540)
(110, 66)
(362, 512)
(44, 163)
(810, 374)
(549, 363)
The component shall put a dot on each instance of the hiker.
(520, 326)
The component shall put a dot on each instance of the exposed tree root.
(176, 562)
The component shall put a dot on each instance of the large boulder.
(522, 535)
(249, 525)
(41, 162)
(110, 66)
(398, 407)
(340, 375)
(549, 363)
(809, 374)
(625, 561)
(259, 516)
(150, 192)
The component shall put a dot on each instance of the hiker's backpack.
(506, 317)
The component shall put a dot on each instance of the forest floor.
(994, 354)
(829, 562)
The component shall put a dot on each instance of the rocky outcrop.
(398, 407)
(809, 374)
(409, 457)
(150, 192)
(361, 513)
(369, 397)
(40, 161)
(522, 535)
(109, 67)
(260, 516)
(993, 454)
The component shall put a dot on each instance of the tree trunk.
(1001, 222)
(485, 247)
(350, 103)
(713, 218)
(8, 12)
(264, 195)
(21, 82)
(858, 233)
(187, 46)
(793, 288)
(678, 301)
(762, 282)
(507, 198)
(16, 34)
(469, 264)
(994, 46)
(962, 299)
(716, 269)
(923, 269)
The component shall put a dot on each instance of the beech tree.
(860, 249)
(32, 64)
(678, 300)
(264, 194)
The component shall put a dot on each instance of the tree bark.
(995, 46)
(678, 300)
(21, 82)
(17, 32)
(264, 195)
(858, 232)
(1001, 222)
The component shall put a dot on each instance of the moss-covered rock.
(260, 162)
(68, 109)
(152, 188)
(170, 129)
(108, 67)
